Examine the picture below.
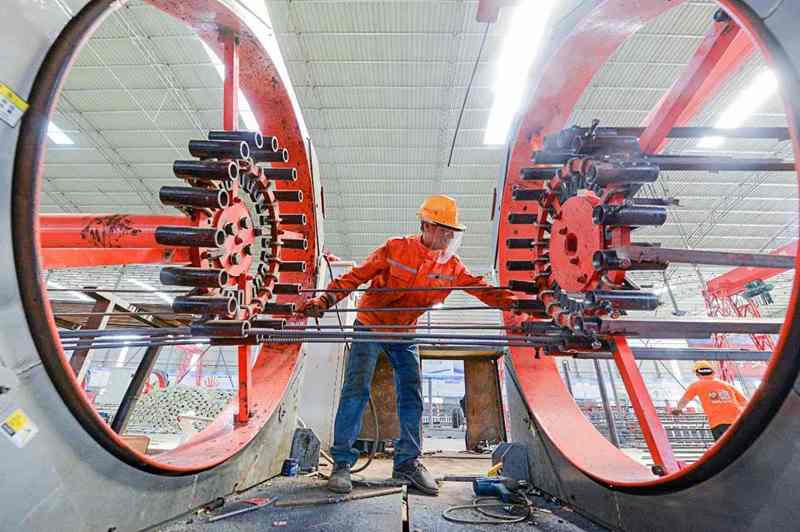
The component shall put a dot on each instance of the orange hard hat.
(440, 210)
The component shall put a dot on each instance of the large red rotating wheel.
(568, 213)
(242, 193)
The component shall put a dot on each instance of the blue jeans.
(355, 394)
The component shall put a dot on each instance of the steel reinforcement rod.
(271, 334)
(631, 257)
(404, 289)
(685, 328)
(678, 353)
(368, 309)
(252, 341)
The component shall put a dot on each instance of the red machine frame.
(564, 77)
(91, 240)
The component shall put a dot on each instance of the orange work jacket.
(722, 403)
(404, 262)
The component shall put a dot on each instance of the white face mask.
(452, 248)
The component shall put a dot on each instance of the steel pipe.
(224, 171)
(291, 266)
(253, 138)
(191, 276)
(278, 308)
(270, 156)
(519, 218)
(629, 215)
(190, 236)
(205, 305)
(289, 195)
(286, 289)
(219, 149)
(225, 328)
(539, 173)
(528, 194)
(194, 197)
(280, 174)
(605, 173)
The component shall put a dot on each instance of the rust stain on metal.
(106, 231)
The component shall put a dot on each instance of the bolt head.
(229, 229)
(244, 222)
(234, 259)
(574, 260)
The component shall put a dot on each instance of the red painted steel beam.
(103, 230)
(75, 240)
(230, 113)
(83, 257)
(654, 434)
(734, 281)
(714, 57)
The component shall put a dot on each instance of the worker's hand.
(313, 308)
(676, 412)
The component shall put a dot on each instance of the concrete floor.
(404, 511)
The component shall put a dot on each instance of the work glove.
(315, 307)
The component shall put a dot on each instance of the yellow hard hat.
(441, 210)
(703, 367)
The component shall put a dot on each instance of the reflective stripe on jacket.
(404, 262)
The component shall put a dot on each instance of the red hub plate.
(574, 238)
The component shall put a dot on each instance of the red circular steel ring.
(273, 108)
(575, 61)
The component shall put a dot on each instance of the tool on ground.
(254, 502)
(291, 503)
(493, 492)
(290, 467)
(506, 489)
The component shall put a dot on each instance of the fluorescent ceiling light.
(161, 295)
(245, 112)
(747, 103)
(529, 22)
(57, 134)
(121, 358)
(76, 295)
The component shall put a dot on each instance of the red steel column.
(230, 43)
(652, 429)
(714, 62)
(245, 373)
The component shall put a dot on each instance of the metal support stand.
(612, 426)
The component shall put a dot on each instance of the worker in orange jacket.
(722, 403)
(426, 260)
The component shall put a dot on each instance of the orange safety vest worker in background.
(427, 260)
(722, 403)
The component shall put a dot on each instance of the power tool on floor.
(506, 489)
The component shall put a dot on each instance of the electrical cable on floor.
(480, 505)
(374, 448)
